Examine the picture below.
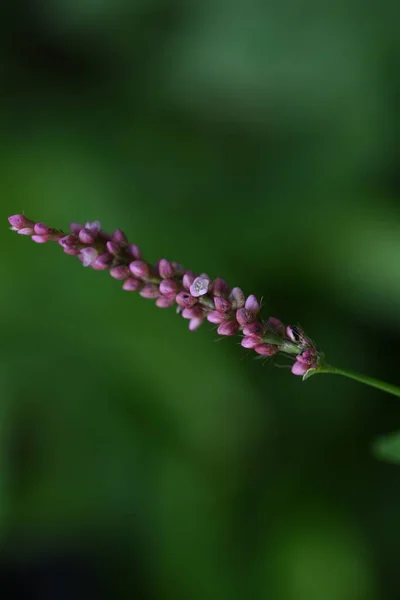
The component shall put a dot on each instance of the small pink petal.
(215, 317)
(252, 304)
(88, 256)
(40, 239)
(165, 269)
(150, 290)
(195, 323)
(139, 269)
(228, 328)
(221, 304)
(188, 279)
(163, 302)
(266, 349)
(168, 286)
(250, 341)
(194, 312)
(299, 368)
(120, 272)
(25, 231)
(132, 285)
(41, 229)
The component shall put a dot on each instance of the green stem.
(371, 381)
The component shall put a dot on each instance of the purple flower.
(41, 229)
(250, 341)
(20, 222)
(196, 296)
(102, 262)
(252, 304)
(185, 300)
(244, 316)
(88, 256)
(132, 285)
(120, 272)
(215, 317)
(86, 236)
(168, 286)
(222, 305)
(139, 269)
(237, 298)
(228, 328)
(119, 237)
(200, 286)
(165, 269)
(195, 323)
(113, 248)
(266, 349)
(150, 290)
(164, 302)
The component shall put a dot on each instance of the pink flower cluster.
(197, 297)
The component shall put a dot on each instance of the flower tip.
(252, 304)
(19, 221)
(195, 323)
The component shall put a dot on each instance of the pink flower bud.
(20, 222)
(294, 333)
(276, 325)
(132, 285)
(299, 368)
(102, 262)
(165, 269)
(195, 323)
(25, 231)
(188, 279)
(185, 300)
(228, 328)
(119, 237)
(164, 302)
(250, 341)
(254, 328)
(134, 251)
(150, 290)
(41, 229)
(113, 248)
(87, 255)
(93, 226)
(216, 317)
(307, 357)
(168, 286)
(73, 252)
(120, 272)
(75, 228)
(194, 312)
(40, 239)
(266, 349)
(68, 241)
(199, 286)
(220, 287)
(237, 298)
(139, 269)
(222, 305)
(244, 316)
(252, 304)
(86, 236)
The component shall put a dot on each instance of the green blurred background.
(252, 140)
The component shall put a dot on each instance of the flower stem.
(371, 381)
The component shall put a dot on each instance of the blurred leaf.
(388, 447)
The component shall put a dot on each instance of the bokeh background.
(252, 140)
